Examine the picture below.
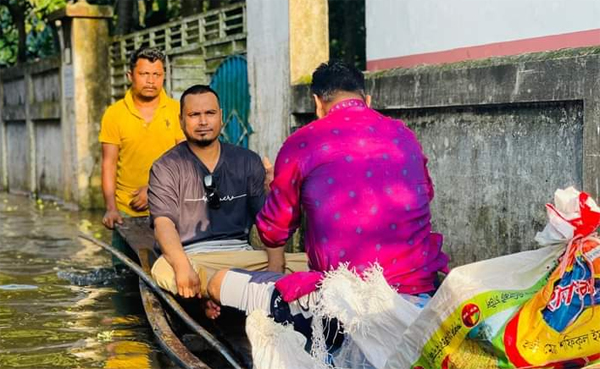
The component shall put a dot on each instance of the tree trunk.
(347, 31)
(191, 7)
(215, 4)
(127, 16)
(19, 20)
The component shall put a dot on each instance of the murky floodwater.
(61, 304)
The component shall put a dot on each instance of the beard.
(203, 142)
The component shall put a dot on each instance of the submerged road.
(61, 303)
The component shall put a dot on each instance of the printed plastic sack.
(535, 309)
(561, 323)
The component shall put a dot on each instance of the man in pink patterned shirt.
(361, 178)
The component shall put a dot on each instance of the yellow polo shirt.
(140, 143)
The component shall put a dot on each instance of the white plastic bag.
(562, 217)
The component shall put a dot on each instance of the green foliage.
(8, 39)
(40, 40)
(44, 7)
(39, 37)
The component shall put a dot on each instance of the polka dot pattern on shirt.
(364, 175)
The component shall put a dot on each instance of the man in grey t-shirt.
(204, 204)
(204, 196)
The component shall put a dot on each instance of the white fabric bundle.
(566, 208)
(275, 345)
(373, 315)
(371, 312)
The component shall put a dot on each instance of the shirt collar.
(348, 103)
(162, 102)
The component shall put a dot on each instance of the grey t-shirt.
(176, 191)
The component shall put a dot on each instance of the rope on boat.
(168, 299)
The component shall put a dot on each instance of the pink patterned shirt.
(362, 180)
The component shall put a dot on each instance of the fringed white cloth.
(373, 315)
(275, 345)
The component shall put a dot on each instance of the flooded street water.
(61, 303)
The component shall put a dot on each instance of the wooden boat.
(186, 349)
(183, 347)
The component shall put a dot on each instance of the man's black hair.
(197, 90)
(337, 76)
(151, 54)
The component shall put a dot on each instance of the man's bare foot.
(211, 309)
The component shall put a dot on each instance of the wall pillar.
(309, 38)
(85, 75)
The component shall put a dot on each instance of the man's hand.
(140, 199)
(112, 217)
(186, 278)
(188, 282)
(269, 173)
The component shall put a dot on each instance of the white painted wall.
(268, 74)
(407, 27)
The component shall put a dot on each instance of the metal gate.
(231, 83)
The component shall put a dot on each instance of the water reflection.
(61, 303)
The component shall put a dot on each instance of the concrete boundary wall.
(50, 112)
(501, 135)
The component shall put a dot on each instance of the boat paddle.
(168, 299)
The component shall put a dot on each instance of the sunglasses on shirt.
(212, 196)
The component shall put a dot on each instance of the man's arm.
(261, 178)
(110, 156)
(269, 174)
(163, 195)
(276, 259)
(188, 282)
(280, 216)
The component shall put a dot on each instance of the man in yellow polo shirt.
(136, 131)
